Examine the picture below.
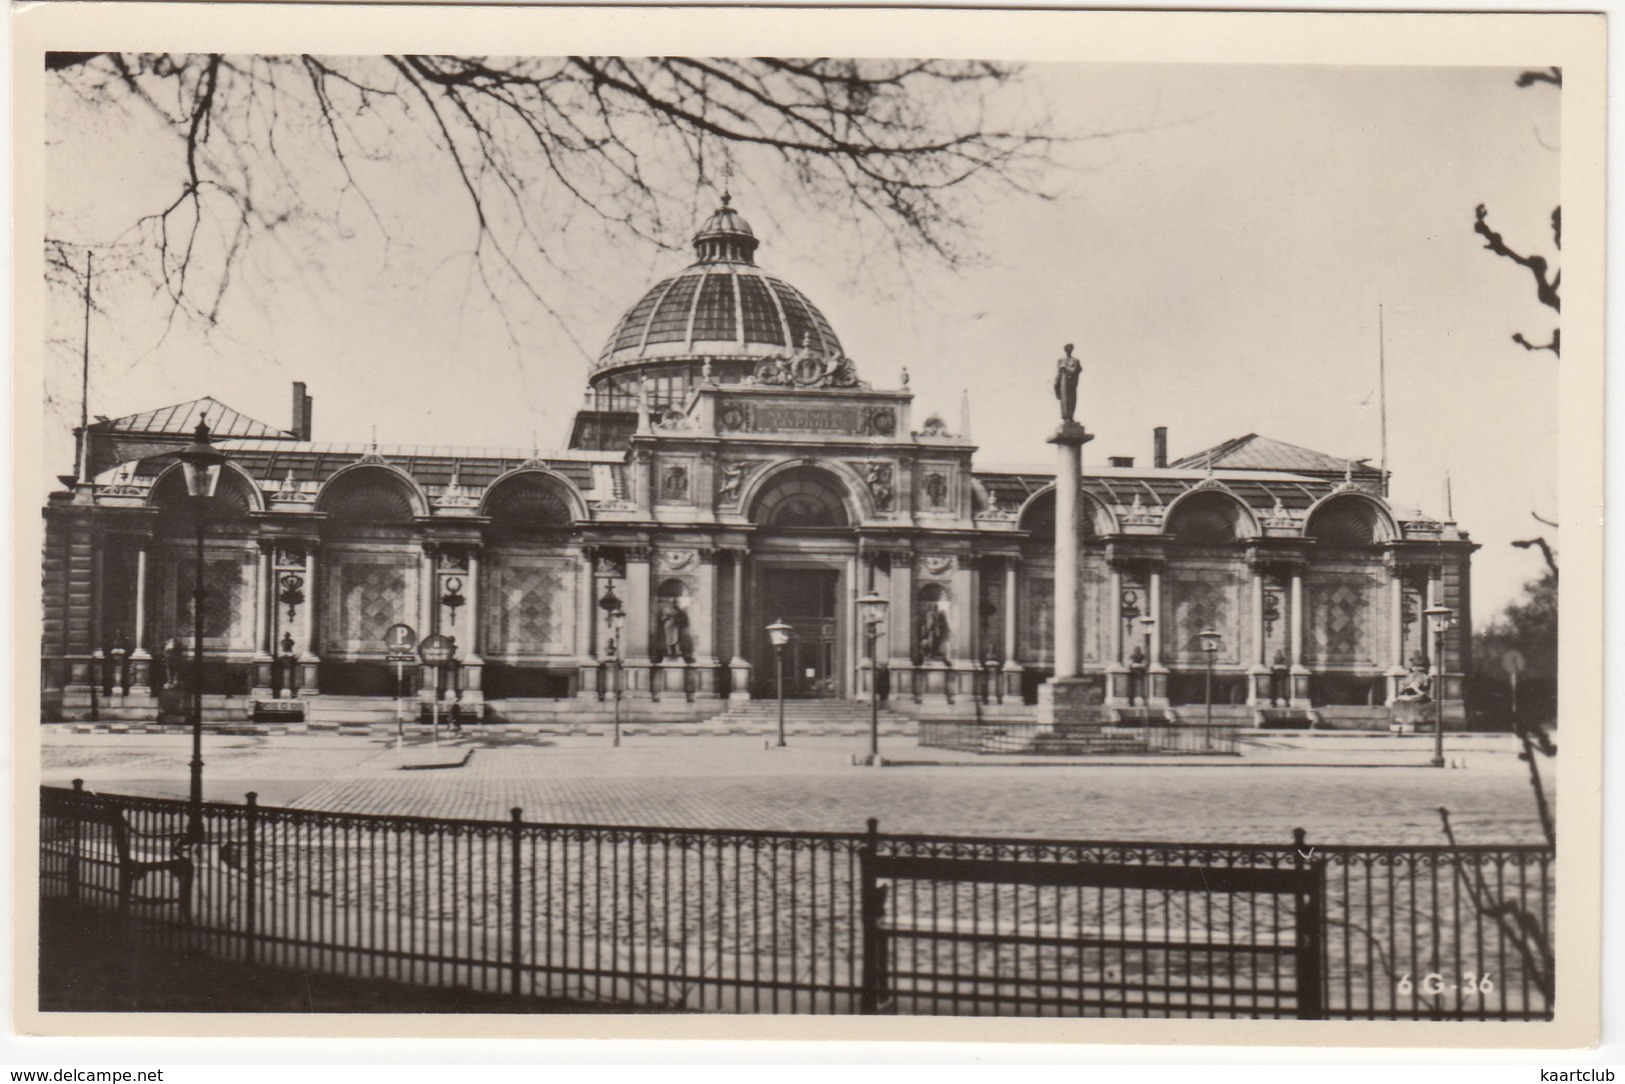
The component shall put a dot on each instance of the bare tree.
(1547, 281)
(902, 144)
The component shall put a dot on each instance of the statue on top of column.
(1067, 371)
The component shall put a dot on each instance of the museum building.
(731, 467)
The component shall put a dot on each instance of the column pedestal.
(931, 684)
(739, 680)
(1119, 685)
(1012, 681)
(309, 677)
(140, 672)
(473, 680)
(262, 677)
(1258, 686)
(1158, 676)
(1300, 687)
(1064, 700)
(1396, 676)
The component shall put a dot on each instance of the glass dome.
(720, 306)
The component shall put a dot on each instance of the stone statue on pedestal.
(1418, 684)
(1067, 371)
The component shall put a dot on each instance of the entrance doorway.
(805, 599)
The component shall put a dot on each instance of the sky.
(1218, 245)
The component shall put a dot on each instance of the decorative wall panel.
(529, 607)
(990, 614)
(228, 610)
(367, 593)
(1037, 618)
(1199, 598)
(1095, 582)
(1343, 618)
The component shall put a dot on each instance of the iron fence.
(813, 922)
(1146, 737)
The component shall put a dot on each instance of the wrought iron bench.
(132, 855)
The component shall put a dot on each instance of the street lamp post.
(872, 611)
(617, 620)
(1439, 618)
(779, 633)
(1210, 648)
(201, 463)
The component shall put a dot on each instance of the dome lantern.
(725, 237)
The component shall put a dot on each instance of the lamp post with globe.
(1210, 648)
(201, 463)
(779, 633)
(616, 616)
(871, 612)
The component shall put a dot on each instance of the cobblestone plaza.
(1340, 789)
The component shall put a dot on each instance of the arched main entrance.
(806, 599)
(802, 574)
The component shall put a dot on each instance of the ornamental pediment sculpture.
(677, 560)
(293, 491)
(878, 478)
(1138, 515)
(732, 480)
(1280, 516)
(937, 564)
(675, 420)
(806, 369)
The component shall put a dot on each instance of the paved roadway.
(1355, 789)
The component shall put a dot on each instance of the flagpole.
(1382, 395)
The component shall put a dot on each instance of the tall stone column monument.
(1064, 698)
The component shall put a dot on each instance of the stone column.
(428, 614)
(1064, 698)
(310, 661)
(100, 664)
(1396, 628)
(635, 637)
(900, 620)
(1258, 672)
(1117, 675)
(473, 669)
(1157, 671)
(1012, 665)
(1300, 672)
(739, 665)
(856, 652)
(702, 624)
(265, 629)
(140, 657)
(587, 624)
(966, 650)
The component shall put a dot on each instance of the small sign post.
(435, 651)
(399, 640)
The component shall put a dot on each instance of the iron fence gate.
(970, 936)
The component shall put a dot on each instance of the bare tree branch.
(1554, 345)
(1545, 551)
(906, 144)
(1545, 288)
(1553, 75)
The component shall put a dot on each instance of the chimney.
(1159, 446)
(301, 411)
